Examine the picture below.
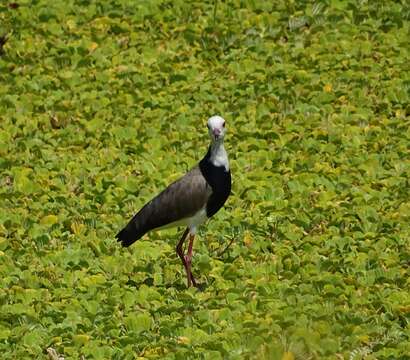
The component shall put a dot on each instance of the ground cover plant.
(102, 104)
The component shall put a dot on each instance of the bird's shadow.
(177, 285)
(180, 286)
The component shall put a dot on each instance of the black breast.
(220, 181)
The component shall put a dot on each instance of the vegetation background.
(103, 103)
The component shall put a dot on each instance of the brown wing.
(180, 200)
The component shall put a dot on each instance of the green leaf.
(138, 323)
(49, 220)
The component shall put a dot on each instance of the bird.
(189, 201)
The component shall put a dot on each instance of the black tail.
(126, 237)
(130, 234)
(153, 215)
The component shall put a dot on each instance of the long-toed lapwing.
(189, 201)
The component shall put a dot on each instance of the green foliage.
(102, 104)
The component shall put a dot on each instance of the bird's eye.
(223, 124)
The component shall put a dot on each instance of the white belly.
(192, 222)
(196, 220)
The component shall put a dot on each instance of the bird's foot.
(194, 283)
(190, 277)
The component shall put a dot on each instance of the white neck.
(219, 157)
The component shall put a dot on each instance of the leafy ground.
(104, 103)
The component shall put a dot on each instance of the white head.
(216, 128)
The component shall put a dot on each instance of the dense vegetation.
(103, 103)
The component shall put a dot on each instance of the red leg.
(188, 259)
(180, 252)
